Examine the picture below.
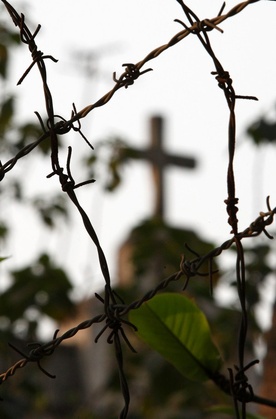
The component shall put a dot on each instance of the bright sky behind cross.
(180, 87)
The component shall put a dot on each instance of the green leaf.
(175, 327)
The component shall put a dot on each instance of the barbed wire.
(114, 313)
(127, 78)
(114, 308)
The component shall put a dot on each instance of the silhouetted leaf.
(3, 230)
(51, 209)
(262, 131)
(3, 60)
(30, 132)
(6, 114)
(8, 39)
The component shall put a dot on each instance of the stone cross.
(160, 159)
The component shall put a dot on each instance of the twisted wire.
(132, 71)
(46, 349)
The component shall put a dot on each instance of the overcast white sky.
(180, 88)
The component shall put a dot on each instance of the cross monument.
(160, 159)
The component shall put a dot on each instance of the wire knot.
(113, 318)
(131, 73)
(223, 78)
(232, 210)
(187, 268)
(206, 25)
(240, 388)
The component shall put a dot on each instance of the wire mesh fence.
(113, 316)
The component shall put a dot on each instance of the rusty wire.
(114, 309)
(132, 71)
(37, 354)
(114, 313)
(240, 387)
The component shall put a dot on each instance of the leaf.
(3, 60)
(3, 230)
(31, 132)
(262, 131)
(51, 209)
(175, 327)
(6, 113)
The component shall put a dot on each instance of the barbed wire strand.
(225, 83)
(240, 383)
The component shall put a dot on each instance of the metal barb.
(131, 73)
